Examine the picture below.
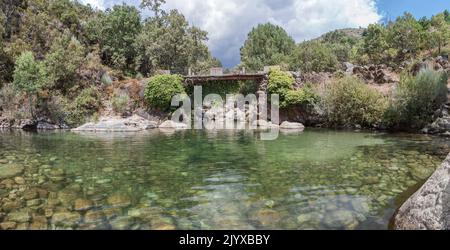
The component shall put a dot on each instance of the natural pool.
(318, 179)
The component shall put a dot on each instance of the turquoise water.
(319, 179)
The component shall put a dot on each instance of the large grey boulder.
(428, 208)
(292, 125)
(169, 124)
(113, 124)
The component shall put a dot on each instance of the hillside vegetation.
(66, 63)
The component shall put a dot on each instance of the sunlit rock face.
(428, 208)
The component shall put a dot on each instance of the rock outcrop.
(172, 125)
(130, 124)
(428, 208)
(379, 74)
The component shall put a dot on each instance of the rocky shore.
(428, 208)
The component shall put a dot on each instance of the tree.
(119, 28)
(439, 32)
(375, 43)
(64, 58)
(267, 44)
(29, 76)
(405, 35)
(153, 5)
(168, 42)
(314, 56)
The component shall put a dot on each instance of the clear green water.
(319, 179)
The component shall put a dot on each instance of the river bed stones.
(19, 216)
(56, 193)
(66, 219)
(119, 200)
(10, 170)
(82, 204)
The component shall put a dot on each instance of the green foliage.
(168, 42)
(119, 28)
(280, 83)
(267, 44)
(375, 43)
(416, 98)
(314, 56)
(9, 100)
(29, 75)
(89, 98)
(349, 101)
(106, 79)
(298, 97)
(84, 107)
(162, 88)
(64, 58)
(439, 32)
(120, 102)
(404, 35)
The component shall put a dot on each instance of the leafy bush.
(349, 101)
(85, 106)
(162, 88)
(120, 102)
(9, 99)
(88, 99)
(299, 97)
(65, 57)
(29, 74)
(416, 98)
(280, 83)
(106, 79)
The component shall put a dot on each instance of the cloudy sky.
(229, 21)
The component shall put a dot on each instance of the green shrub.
(303, 96)
(29, 74)
(280, 83)
(85, 105)
(89, 98)
(162, 88)
(106, 79)
(64, 58)
(349, 101)
(416, 98)
(120, 102)
(9, 100)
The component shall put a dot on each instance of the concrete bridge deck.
(201, 79)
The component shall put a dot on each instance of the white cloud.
(99, 4)
(229, 21)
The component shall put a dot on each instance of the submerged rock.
(82, 205)
(66, 219)
(119, 200)
(10, 170)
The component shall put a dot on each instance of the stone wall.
(428, 208)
